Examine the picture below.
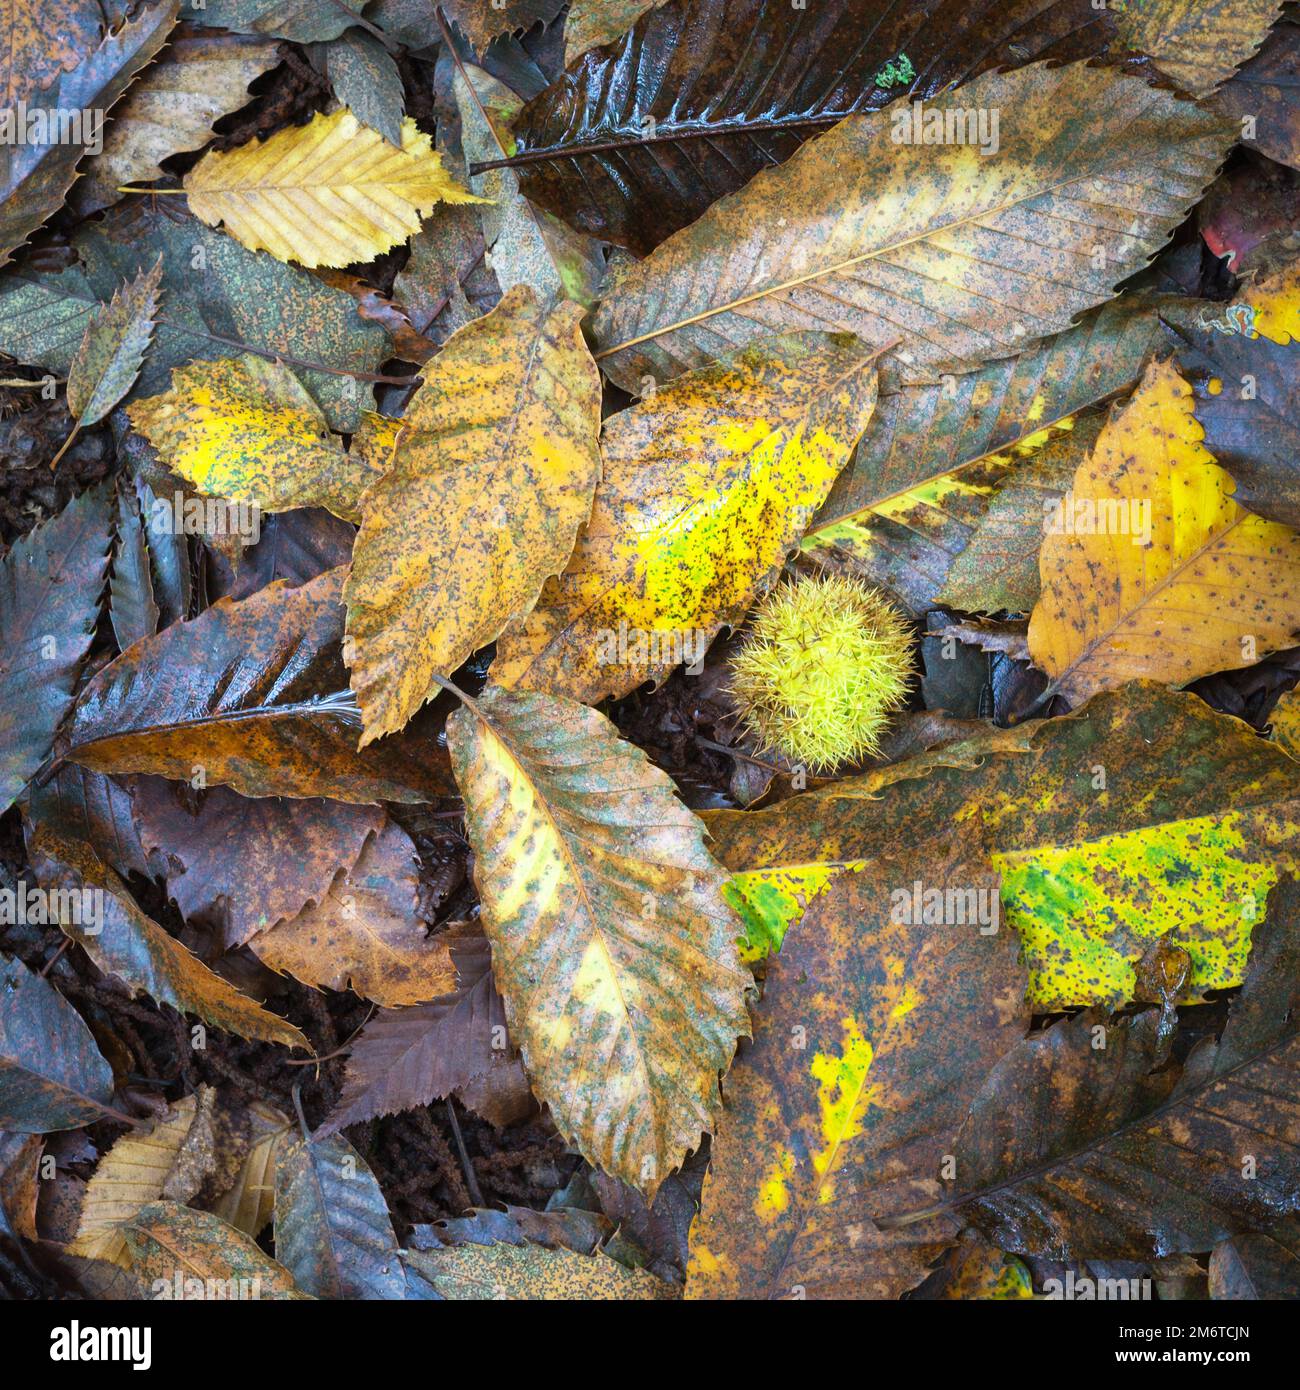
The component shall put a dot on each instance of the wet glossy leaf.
(611, 944)
(1084, 1138)
(638, 139)
(1143, 813)
(35, 175)
(134, 948)
(332, 1229)
(877, 1027)
(51, 582)
(254, 691)
(52, 1075)
(960, 256)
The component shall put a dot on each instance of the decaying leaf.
(474, 1272)
(707, 484)
(128, 944)
(960, 255)
(332, 1230)
(198, 78)
(879, 1020)
(52, 1076)
(1198, 42)
(364, 932)
(1154, 570)
(328, 193)
(186, 1254)
(246, 429)
(491, 476)
(1142, 813)
(254, 691)
(117, 338)
(611, 944)
(51, 583)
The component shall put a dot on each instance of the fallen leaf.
(477, 1272)
(52, 1076)
(51, 582)
(1192, 583)
(707, 484)
(254, 692)
(962, 256)
(198, 78)
(134, 948)
(327, 193)
(1198, 43)
(877, 1026)
(491, 477)
(645, 135)
(186, 1254)
(111, 352)
(611, 944)
(332, 1229)
(246, 429)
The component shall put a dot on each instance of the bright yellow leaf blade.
(244, 428)
(612, 946)
(1213, 587)
(491, 476)
(708, 483)
(325, 194)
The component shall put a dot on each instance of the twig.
(471, 1177)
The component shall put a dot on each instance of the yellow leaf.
(246, 429)
(1213, 587)
(1199, 43)
(1276, 301)
(708, 483)
(364, 934)
(491, 476)
(611, 943)
(328, 193)
(130, 1175)
(249, 1201)
(1285, 720)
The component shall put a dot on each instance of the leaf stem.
(67, 444)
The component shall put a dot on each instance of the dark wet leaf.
(52, 1076)
(640, 137)
(254, 692)
(50, 586)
